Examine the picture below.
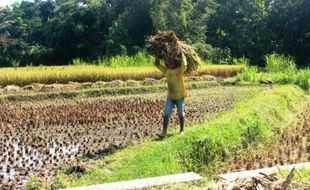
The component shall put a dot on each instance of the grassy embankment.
(93, 73)
(248, 125)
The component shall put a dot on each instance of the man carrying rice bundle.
(166, 46)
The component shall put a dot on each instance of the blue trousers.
(170, 103)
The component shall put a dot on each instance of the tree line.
(54, 32)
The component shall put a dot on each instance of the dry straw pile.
(166, 45)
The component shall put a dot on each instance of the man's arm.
(184, 63)
(159, 66)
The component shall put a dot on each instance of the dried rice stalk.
(166, 45)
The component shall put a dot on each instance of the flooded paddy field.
(37, 136)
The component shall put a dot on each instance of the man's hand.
(159, 66)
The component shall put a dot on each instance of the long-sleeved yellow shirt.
(175, 79)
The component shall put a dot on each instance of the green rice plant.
(300, 77)
(102, 61)
(241, 61)
(279, 63)
(78, 61)
(279, 69)
(250, 74)
(141, 59)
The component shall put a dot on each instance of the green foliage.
(241, 61)
(15, 63)
(78, 61)
(300, 77)
(303, 79)
(214, 55)
(280, 63)
(172, 15)
(280, 69)
(249, 75)
(203, 153)
(56, 32)
(141, 59)
(35, 183)
(248, 125)
(118, 36)
(241, 26)
(289, 22)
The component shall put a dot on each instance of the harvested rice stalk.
(166, 45)
(193, 60)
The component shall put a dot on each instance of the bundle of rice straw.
(166, 45)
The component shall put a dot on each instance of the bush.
(140, 59)
(280, 69)
(78, 61)
(279, 63)
(241, 61)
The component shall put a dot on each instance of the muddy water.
(18, 160)
(35, 136)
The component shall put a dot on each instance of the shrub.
(279, 63)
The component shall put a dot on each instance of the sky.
(8, 2)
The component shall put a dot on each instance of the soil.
(36, 136)
(75, 86)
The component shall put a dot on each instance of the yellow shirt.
(175, 79)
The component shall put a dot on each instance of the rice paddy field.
(93, 73)
(82, 125)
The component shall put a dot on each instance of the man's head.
(171, 63)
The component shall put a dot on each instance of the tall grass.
(79, 61)
(279, 69)
(279, 63)
(241, 61)
(141, 59)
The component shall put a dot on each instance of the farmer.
(174, 72)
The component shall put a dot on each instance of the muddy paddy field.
(37, 136)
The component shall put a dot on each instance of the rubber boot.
(181, 119)
(165, 126)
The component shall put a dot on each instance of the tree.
(75, 30)
(241, 25)
(172, 15)
(117, 39)
(289, 20)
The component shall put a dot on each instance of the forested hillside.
(54, 32)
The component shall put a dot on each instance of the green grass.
(201, 148)
(279, 63)
(301, 175)
(279, 69)
(141, 59)
(300, 77)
